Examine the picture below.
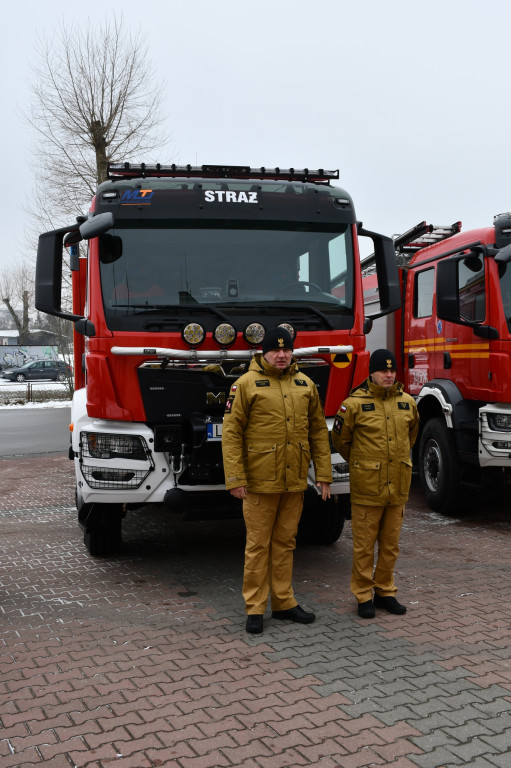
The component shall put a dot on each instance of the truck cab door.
(420, 332)
(464, 311)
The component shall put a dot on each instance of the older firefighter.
(374, 430)
(273, 425)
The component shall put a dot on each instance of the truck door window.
(472, 289)
(423, 297)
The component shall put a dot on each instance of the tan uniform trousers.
(271, 520)
(370, 525)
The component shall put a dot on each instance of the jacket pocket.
(366, 476)
(406, 477)
(262, 462)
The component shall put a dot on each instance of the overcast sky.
(410, 100)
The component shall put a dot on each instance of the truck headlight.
(102, 445)
(500, 422)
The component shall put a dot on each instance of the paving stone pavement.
(142, 660)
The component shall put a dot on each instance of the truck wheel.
(102, 524)
(438, 466)
(322, 521)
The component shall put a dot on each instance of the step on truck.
(177, 273)
(452, 340)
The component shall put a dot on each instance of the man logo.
(212, 399)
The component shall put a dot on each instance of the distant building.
(9, 337)
(36, 336)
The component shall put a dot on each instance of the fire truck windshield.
(168, 269)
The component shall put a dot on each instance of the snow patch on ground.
(46, 404)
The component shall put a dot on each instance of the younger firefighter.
(374, 430)
(273, 425)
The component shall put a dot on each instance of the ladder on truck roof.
(422, 235)
(411, 241)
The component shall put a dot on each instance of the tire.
(322, 521)
(61, 377)
(439, 469)
(102, 524)
(20, 377)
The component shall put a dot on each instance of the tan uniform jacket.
(374, 431)
(273, 425)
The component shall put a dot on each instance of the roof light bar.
(133, 171)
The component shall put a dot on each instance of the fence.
(32, 393)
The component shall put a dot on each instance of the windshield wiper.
(301, 307)
(153, 309)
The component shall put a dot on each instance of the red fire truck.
(452, 339)
(184, 271)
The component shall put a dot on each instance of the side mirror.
(97, 225)
(504, 255)
(387, 272)
(458, 299)
(447, 302)
(48, 282)
(368, 325)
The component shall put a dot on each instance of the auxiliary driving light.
(193, 334)
(289, 328)
(254, 334)
(224, 334)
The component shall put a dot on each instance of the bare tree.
(94, 100)
(17, 293)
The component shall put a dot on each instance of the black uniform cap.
(382, 360)
(277, 338)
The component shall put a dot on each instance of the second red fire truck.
(452, 339)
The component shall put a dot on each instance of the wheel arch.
(442, 398)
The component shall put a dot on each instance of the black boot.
(254, 623)
(366, 610)
(389, 604)
(295, 614)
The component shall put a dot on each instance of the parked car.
(38, 370)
